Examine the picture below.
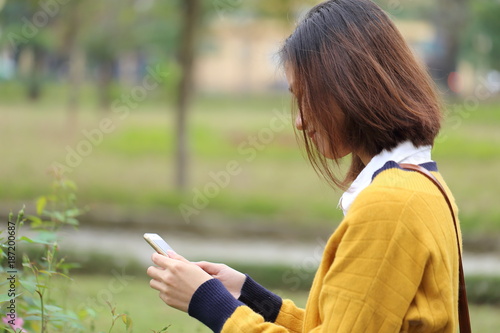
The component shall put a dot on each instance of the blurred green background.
(174, 115)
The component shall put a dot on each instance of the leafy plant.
(124, 317)
(31, 286)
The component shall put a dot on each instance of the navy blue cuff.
(212, 304)
(260, 300)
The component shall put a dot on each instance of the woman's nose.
(298, 123)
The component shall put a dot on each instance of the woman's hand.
(230, 278)
(176, 279)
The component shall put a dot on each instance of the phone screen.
(157, 243)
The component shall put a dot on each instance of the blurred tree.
(285, 11)
(24, 26)
(108, 34)
(191, 19)
(408, 9)
(194, 14)
(483, 38)
(450, 20)
(66, 32)
(147, 30)
(69, 30)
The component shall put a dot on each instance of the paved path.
(130, 245)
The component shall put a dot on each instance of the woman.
(392, 264)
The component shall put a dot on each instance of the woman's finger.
(173, 255)
(155, 272)
(177, 281)
(160, 260)
(209, 267)
(155, 284)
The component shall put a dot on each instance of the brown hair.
(358, 82)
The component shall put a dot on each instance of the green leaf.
(41, 286)
(36, 240)
(72, 221)
(30, 286)
(49, 273)
(66, 276)
(127, 320)
(26, 239)
(73, 212)
(70, 184)
(4, 298)
(59, 216)
(53, 308)
(87, 312)
(68, 265)
(40, 205)
(35, 221)
(47, 237)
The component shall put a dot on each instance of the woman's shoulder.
(395, 194)
(395, 181)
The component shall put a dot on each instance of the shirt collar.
(405, 152)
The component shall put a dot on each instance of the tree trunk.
(35, 79)
(450, 22)
(76, 72)
(105, 78)
(186, 59)
(76, 61)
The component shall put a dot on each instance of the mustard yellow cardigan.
(391, 266)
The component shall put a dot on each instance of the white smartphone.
(157, 243)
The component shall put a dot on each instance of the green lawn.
(142, 304)
(132, 166)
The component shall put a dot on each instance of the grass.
(148, 312)
(132, 296)
(124, 284)
(133, 166)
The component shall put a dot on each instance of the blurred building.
(241, 57)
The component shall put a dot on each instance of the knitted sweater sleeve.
(262, 311)
(270, 306)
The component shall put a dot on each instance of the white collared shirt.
(405, 152)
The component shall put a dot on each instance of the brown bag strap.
(463, 307)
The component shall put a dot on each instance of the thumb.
(209, 267)
(173, 255)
